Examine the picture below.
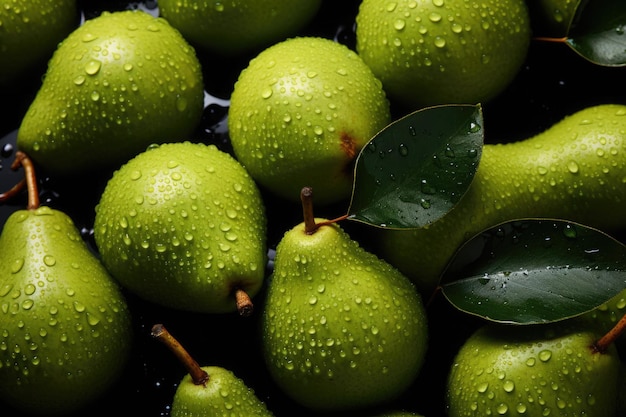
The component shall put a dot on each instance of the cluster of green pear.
(183, 224)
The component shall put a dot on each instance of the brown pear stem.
(244, 303)
(306, 197)
(602, 344)
(7, 195)
(21, 159)
(198, 375)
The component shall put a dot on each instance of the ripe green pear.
(118, 83)
(223, 394)
(341, 329)
(239, 26)
(533, 371)
(445, 51)
(183, 225)
(209, 391)
(574, 171)
(29, 33)
(65, 326)
(299, 115)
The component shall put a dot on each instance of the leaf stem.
(198, 375)
(550, 39)
(602, 344)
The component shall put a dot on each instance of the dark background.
(553, 83)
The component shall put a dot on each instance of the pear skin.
(117, 84)
(65, 323)
(183, 225)
(539, 370)
(342, 329)
(574, 171)
(31, 31)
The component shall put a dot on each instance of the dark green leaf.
(534, 271)
(599, 32)
(416, 169)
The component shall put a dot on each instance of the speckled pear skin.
(574, 171)
(533, 371)
(224, 394)
(209, 25)
(118, 83)
(31, 30)
(66, 328)
(299, 114)
(181, 225)
(342, 330)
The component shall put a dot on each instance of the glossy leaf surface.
(599, 32)
(416, 169)
(536, 270)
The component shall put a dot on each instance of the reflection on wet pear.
(341, 329)
(116, 84)
(31, 30)
(533, 371)
(209, 25)
(183, 225)
(65, 327)
(299, 115)
(443, 51)
(574, 170)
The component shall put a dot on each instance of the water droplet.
(569, 231)
(572, 167)
(49, 260)
(17, 265)
(92, 67)
(545, 355)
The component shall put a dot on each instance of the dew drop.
(49, 260)
(572, 167)
(92, 67)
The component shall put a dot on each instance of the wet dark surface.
(553, 83)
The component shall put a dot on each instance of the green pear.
(209, 391)
(118, 83)
(238, 26)
(183, 225)
(341, 328)
(29, 33)
(607, 315)
(65, 327)
(536, 370)
(440, 52)
(574, 171)
(299, 115)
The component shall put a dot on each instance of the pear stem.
(244, 303)
(306, 196)
(7, 195)
(198, 375)
(310, 227)
(29, 180)
(602, 344)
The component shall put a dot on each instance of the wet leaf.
(417, 168)
(599, 32)
(535, 271)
